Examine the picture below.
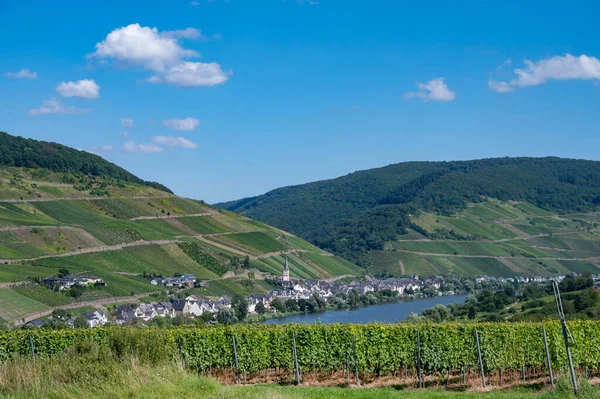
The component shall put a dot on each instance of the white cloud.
(85, 88)
(567, 67)
(181, 124)
(162, 53)
(435, 89)
(126, 122)
(131, 146)
(193, 74)
(142, 45)
(172, 141)
(187, 33)
(53, 106)
(194, 3)
(22, 74)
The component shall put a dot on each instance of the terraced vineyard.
(495, 239)
(47, 225)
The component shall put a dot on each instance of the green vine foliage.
(380, 348)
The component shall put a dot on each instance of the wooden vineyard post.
(237, 368)
(479, 356)
(565, 331)
(296, 358)
(32, 347)
(355, 360)
(419, 376)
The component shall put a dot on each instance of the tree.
(260, 308)
(227, 316)
(60, 314)
(81, 322)
(76, 292)
(353, 298)
(206, 317)
(63, 272)
(239, 304)
(586, 299)
(278, 305)
(291, 305)
(247, 262)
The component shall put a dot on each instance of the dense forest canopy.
(29, 153)
(359, 212)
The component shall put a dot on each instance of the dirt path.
(84, 198)
(93, 250)
(211, 213)
(335, 278)
(590, 259)
(402, 268)
(13, 284)
(222, 246)
(97, 302)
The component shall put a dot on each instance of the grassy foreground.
(97, 374)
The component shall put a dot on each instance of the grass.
(255, 242)
(204, 225)
(13, 215)
(90, 372)
(13, 305)
(43, 295)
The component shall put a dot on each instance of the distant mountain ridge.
(363, 210)
(21, 152)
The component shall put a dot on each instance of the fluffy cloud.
(194, 3)
(126, 122)
(22, 74)
(181, 124)
(172, 141)
(162, 53)
(142, 45)
(435, 89)
(567, 67)
(85, 88)
(53, 106)
(193, 74)
(131, 146)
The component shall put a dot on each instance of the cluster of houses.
(191, 306)
(184, 281)
(97, 318)
(64, 283)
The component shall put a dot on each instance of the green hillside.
(438, 217)
(124, 230)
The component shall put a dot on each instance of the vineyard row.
(373, 348)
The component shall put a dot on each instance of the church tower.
(286, 270)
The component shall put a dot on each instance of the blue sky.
(225, 99)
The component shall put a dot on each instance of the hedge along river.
(385, 313)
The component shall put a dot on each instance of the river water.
(385, 313)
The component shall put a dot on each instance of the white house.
(96, 319)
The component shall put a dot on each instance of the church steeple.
(286, 270)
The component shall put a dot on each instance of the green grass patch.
(43, 295)
(255, 242)
(13, 305)
(195, 251)
(204, 225)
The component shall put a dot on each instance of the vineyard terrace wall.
(380, 348)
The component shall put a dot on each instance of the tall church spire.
(286, 270)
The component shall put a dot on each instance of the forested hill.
(28, 153)
(361, 211)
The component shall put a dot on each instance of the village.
(291, 295)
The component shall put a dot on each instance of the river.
(385, 313)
